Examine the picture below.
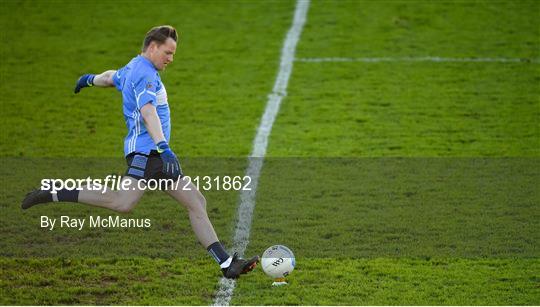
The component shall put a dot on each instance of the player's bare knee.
(120, 203)
(123, 209)
(110, 198)
(125, 206)
(202, 202)
(198, 204)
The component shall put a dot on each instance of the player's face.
(162, 55)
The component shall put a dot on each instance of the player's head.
(159, 46)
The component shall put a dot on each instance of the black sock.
(218, 252)
(68, 195)
(45, 198)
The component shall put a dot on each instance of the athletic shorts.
(141, 166)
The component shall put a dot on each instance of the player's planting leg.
(120, 201)
(195, 203)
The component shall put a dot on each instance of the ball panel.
(278, 261)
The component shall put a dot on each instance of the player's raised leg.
(195, 203)
(119, 201)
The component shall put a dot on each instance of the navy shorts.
(141, 166)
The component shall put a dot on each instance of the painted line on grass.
(420, 59)
(247, 198)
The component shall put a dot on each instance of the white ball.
(278, 261)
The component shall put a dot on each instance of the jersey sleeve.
(118, 80)
(145, 90)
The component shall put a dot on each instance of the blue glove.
(84, 81)
(171, 167)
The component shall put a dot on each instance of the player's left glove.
(171, 166)
(84, 81)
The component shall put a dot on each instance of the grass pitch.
(395, 183)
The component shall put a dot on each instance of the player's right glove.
(84, 81)
(171, 166)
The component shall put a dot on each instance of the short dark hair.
(159, 34)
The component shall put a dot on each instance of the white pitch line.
(420, 59)
(247, 198)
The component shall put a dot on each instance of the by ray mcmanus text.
(65, 221)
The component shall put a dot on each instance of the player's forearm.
(104, 79)
(152, 122)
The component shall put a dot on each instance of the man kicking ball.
(146, 147)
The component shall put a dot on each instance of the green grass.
(389, 281)
(414, 109)
(101, 281)
(452, 29)
(410, 110)
(399, 207)
(394, 183)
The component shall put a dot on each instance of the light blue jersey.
(140, 84)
